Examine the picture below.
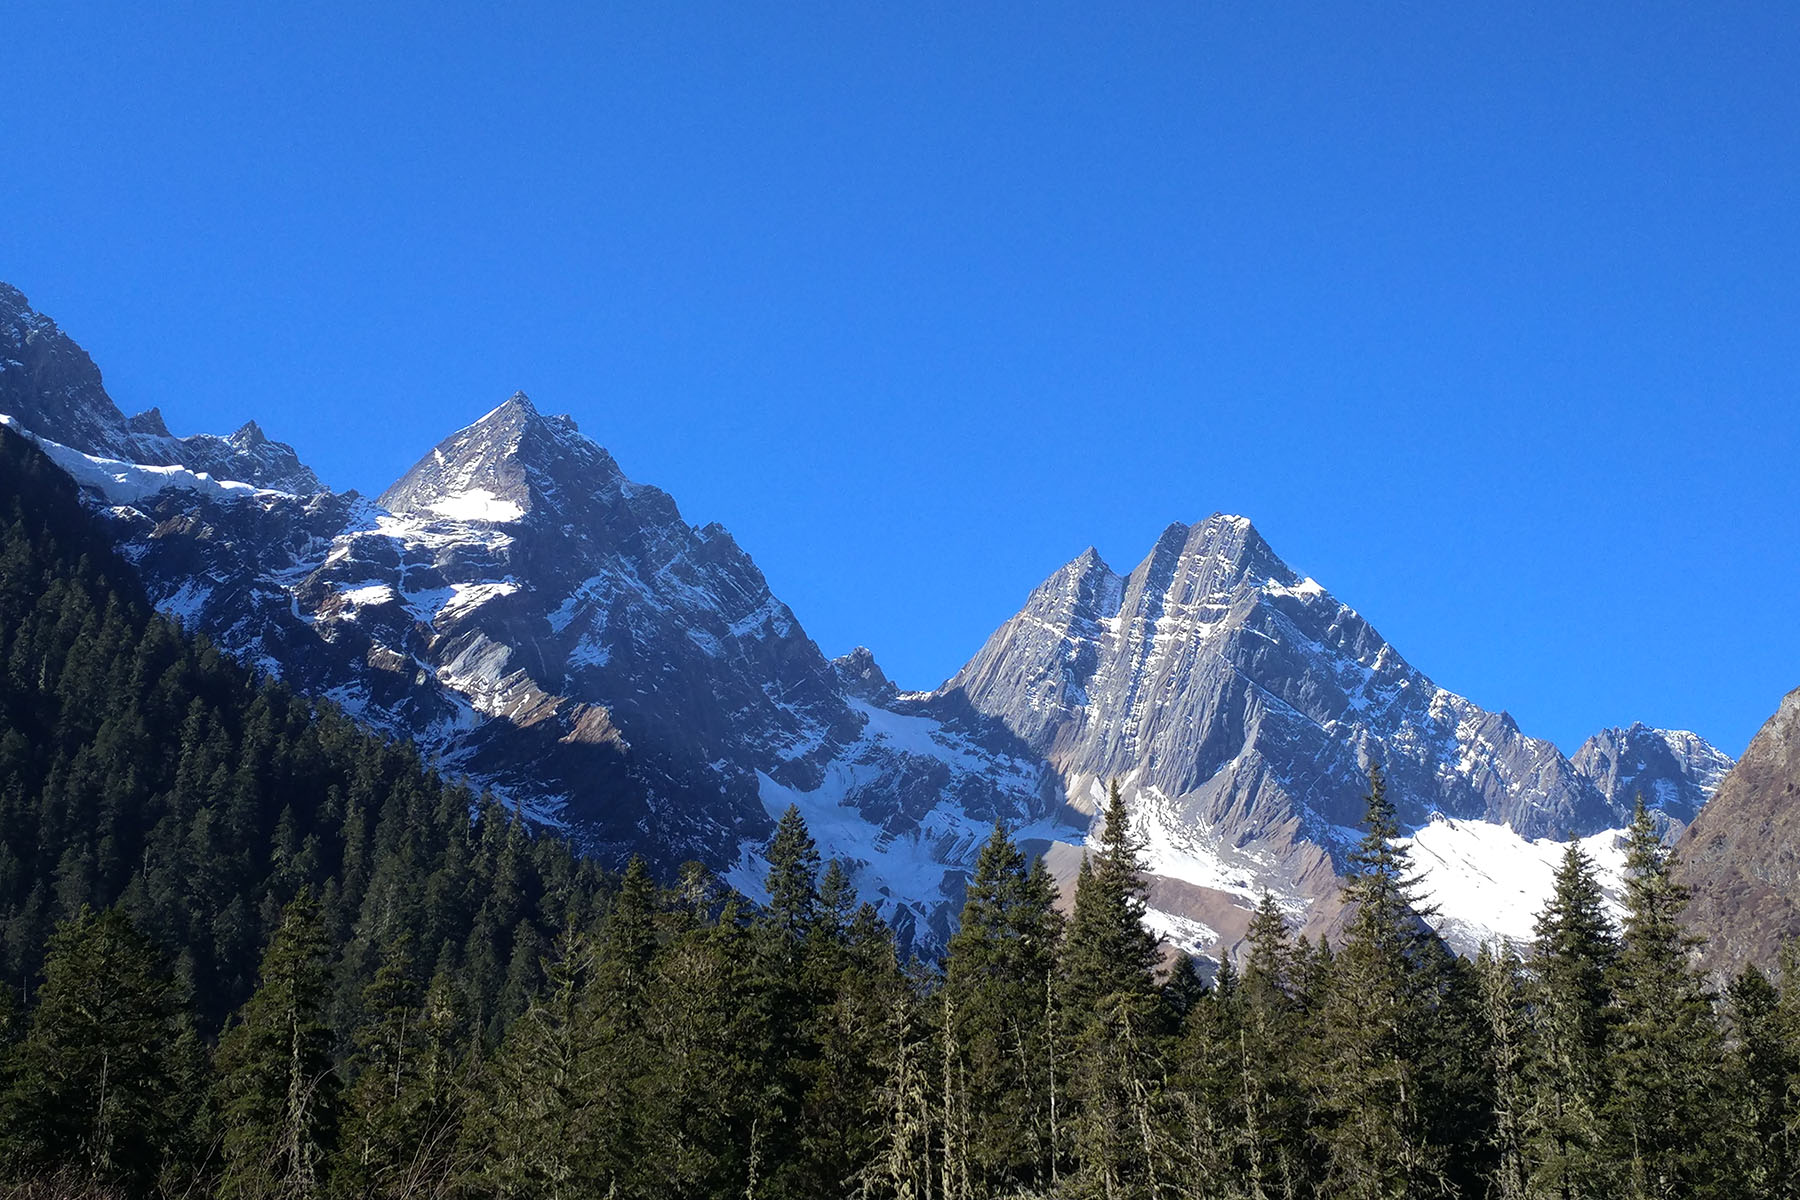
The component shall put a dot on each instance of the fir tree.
(1112, 1017)
(277, 1088)
(98, 1086)
(1108, 949)
(998, 965)
(1664, 1058)
(1763, 1065)
(1504, 1013)
(1268, 1137)
(533, 1128)
(1375, 1086)
(1564, 1067)
(401, 1113)
(793, 880)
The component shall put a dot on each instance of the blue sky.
(1487, 315)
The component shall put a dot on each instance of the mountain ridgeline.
(252, 950)
(558, 634)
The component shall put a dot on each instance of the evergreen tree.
(1112, 1019)
(1565, 1081)
(1761, 1106)
(401, 1114)
(1268, 1138)
(793, 880)
(1505, 1015)
(791, 993)
(1375, 1089)
(277, 1089)
(532, 1126)
(98, 1086)
(1108, 949)
(612, 1011)
(703, 1101)
(998, 966)
(1664, 1059)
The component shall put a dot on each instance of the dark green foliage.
(1111, 1018)
(1564, 1074)
(404, 1110)
(1763, 1065)
(998, 979)
(1108, 950)
(1391, 1075)
(277, 1089)
(1665, 1056)
(251, 950)
(101, 1083)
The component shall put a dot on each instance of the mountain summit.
(510, 462)
(1243, 706)
(560, 634)
(50, 386)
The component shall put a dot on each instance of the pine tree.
(1112, 1018)
(1665, 1056)
(532, 1125)
(1763, 1063)
(996, 969)
(1108, 949)
(97, 1087)
(791, 995)
(793, 880)
(1504, 1012)
(1564, 1067)
(1376, 1079)
(1268, 1139)
(401, 1114)
(612, 1010)
(703, 1100)
(277, 1089)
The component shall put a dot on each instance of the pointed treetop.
(793, 879)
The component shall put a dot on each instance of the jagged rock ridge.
(50, 386)
(559, 633)
(1243, 704)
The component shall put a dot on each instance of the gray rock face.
(1242, 705)
(1673, 769)
(561, 635)
(51, 387)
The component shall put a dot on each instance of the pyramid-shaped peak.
(1088, 562)
(507, 463)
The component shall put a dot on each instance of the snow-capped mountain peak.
(563, 636)
(52, 389)
(512, 461)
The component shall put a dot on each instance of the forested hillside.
(253, 951)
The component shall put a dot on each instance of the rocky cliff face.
(50, 386)
(1243, 705)
(1741, 856)
(560, 634)
(1675, 771)
(553, 630)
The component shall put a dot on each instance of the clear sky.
(1487, 314)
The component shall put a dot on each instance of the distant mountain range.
(561, 635)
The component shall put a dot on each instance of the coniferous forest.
(252, 950)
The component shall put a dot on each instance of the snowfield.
(1489, 883)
